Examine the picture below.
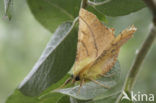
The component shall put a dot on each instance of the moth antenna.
(65, 83)
(73, 81)
(99, 83)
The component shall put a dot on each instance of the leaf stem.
(132, 75)
(98, 3)
(84, 3)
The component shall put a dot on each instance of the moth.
(97, 48)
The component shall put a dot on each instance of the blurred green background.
(23, 39)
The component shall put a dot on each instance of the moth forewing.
(92, 36)
(92, 41)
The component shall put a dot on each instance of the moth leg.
(81, 83)
(107, 75)
(99, 83)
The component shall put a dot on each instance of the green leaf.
(118, 7)
(18, 97)
(1, 7)
(109, 99)
(64, 99)
(51, 98)
(55, 61)
(51, 13)
(91, 90)
(7, 7)
(74, 100)
(100, 15)
(46, 97)
(55, 86)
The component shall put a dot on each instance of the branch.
(152, 5)
(84, 3)
(132, 75)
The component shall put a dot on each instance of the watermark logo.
(138, 96)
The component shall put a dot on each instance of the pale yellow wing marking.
(108, 58)
(92, 39)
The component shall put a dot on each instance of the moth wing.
(124, 36)
(92, 38)
(109, 57)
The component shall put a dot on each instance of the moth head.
(75, 78)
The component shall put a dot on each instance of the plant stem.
(132, 75)
(139, 59)
(84, 3)
(152, 5)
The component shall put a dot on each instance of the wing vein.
(83, 44)
(92, 33)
